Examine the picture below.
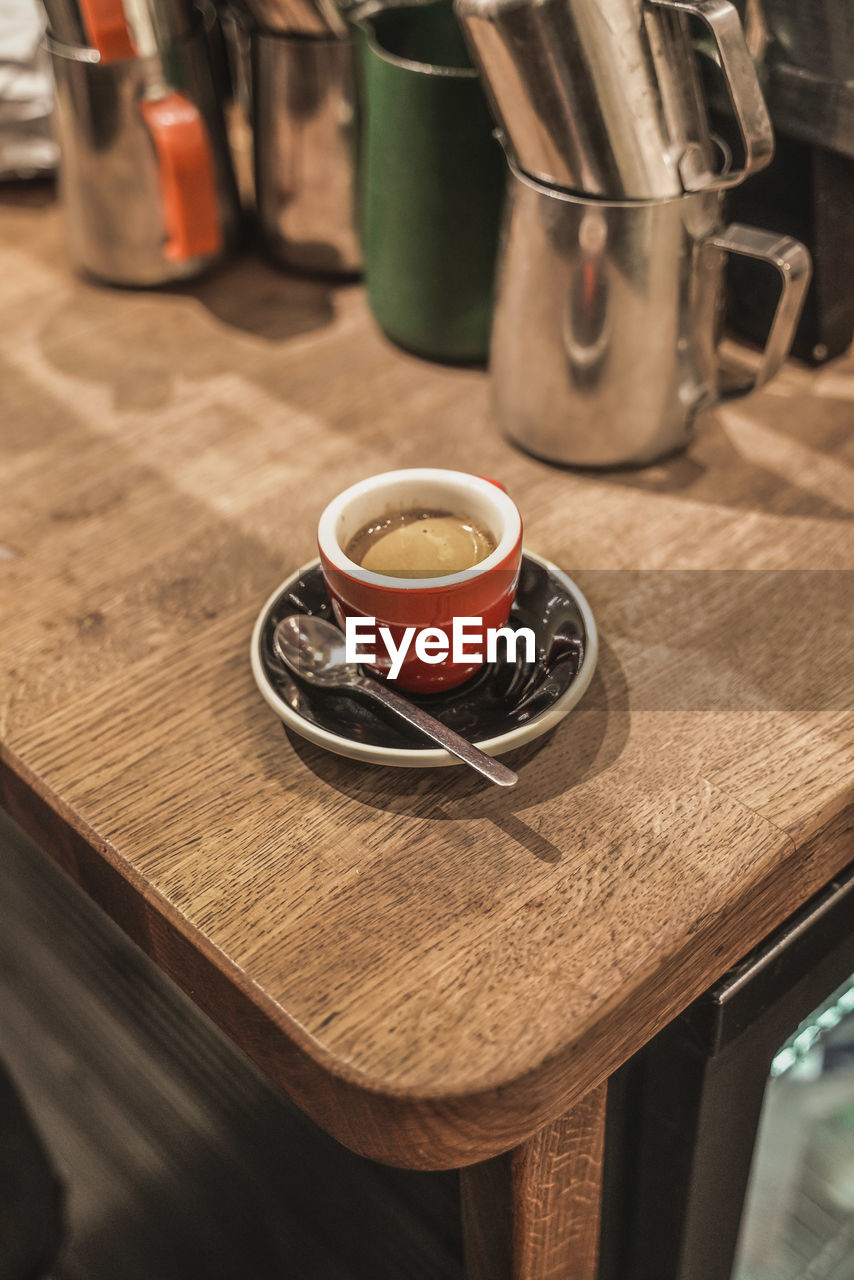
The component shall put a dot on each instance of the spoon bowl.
(315, 651)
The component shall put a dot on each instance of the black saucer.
(502, 706)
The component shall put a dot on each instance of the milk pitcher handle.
(748, 103)
(794, 265)
(106, 27)
(187, 176)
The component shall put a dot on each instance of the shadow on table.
(247, 293)
(583, 745)
(143, 347)
(31, 193)
(714, 470)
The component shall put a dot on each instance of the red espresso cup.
(482, 595)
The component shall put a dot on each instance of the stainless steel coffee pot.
(304, 126)
(324, 18)
(145, 175)
(604, 96)
(115, 30)
(607, 318)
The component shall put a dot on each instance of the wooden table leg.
(533, 1214)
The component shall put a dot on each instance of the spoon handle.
(433, 728)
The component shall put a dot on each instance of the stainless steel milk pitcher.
(604, 96)
(145, 175)
(604, 340)
(304, 124)
(118, 29)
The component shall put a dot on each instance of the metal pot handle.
(748, 103)
(794, 264)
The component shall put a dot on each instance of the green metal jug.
(431, 184)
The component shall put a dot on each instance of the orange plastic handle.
(107, 29)
(187, 177)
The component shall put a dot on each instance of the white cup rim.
(332, 551)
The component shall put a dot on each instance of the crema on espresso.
(420, 544)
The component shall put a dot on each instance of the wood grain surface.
(433, 971)
(533, 1214)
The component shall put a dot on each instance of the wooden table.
(436, 972)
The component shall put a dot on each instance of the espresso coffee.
(420, 544)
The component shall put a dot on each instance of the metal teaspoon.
(314, 650)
